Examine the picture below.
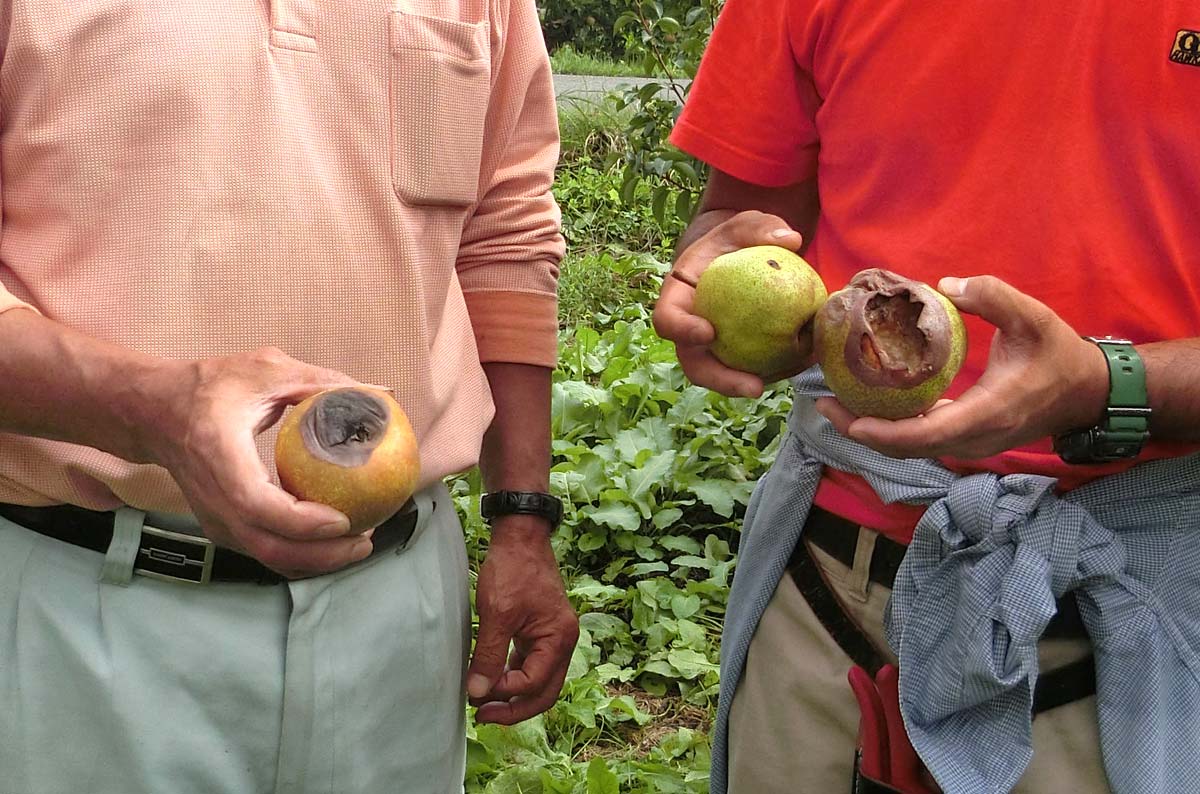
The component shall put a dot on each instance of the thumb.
(1010, 310)
(758, 228)
(487, 663)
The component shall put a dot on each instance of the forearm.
(60, 384)
(1173, 386)
(516, 448)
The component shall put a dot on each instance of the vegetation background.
(655, 473)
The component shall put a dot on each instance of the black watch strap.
(1125, 425)
(505, 503)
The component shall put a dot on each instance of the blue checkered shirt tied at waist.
(976, 589)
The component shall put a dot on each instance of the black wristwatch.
(506, 503)
(1125, 425)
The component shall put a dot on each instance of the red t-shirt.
(1054, 145)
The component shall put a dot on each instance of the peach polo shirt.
(365, 185)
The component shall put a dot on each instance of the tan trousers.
(793, 723)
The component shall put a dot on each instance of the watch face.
(1096, 445)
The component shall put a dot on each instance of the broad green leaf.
(619, 516)
(588, 588)
(692, 635)
(717, 494)
(665, 518)
(678, 542)
(600, 779)
(645, 568)
(692, 404)
(517, 780)
(715, 548)
(602, 625)
(590, 541)
(692, 561)
(684, 606)
(652, 473)
(690, 663)
(660, 667)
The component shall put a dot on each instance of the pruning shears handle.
(885, 762)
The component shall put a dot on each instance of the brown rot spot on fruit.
(899, 331)
(774, 264)
(344, 426)
(894, 340)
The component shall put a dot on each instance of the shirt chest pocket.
(440, 76)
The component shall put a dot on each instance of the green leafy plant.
(585, 25)
(655, 475)
(670, 40)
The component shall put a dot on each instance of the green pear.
(760, 301)
(889, 346)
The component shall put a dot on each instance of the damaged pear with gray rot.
(889, 346)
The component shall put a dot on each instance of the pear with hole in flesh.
(352, 449)
(889, 346)
(760, 300)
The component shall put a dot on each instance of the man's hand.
(520, 598)
(1041, 379)
(201, 418)
(692, 334)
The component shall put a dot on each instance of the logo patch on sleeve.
(1187, 48)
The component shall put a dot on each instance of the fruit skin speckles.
(760, 300)
(889, 346)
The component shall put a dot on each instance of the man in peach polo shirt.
(210, 212)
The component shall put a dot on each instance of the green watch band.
(1125, 425)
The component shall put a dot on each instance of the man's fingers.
(253, 500)
(959, 427)
(517, 710)
(521, 693)
(306, 557)
(838, 415)
(703, 369)
(535, 673)
(673, 318)
(757, 228)
(1012, 311)
(741, 231)
(227, 483)
(487, 663)
(294, 380)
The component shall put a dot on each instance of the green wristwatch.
(1126, 421)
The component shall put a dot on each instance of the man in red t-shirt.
(1048, 154)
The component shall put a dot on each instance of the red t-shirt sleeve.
(750, 112)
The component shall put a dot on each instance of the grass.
(567, 60)
(591, 132)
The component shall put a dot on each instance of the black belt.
(838, 538)
(177, 556)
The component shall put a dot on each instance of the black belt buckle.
(174, 556)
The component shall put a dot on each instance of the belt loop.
(858, 579)
(425, 505)
(123, 550)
